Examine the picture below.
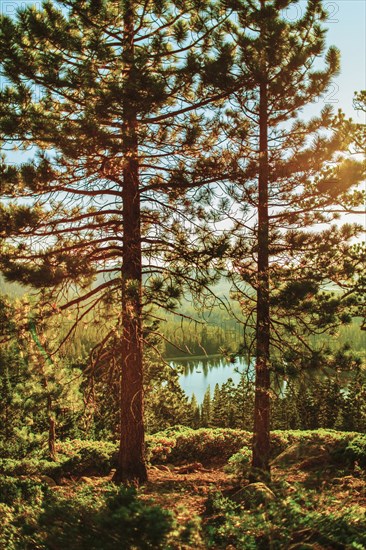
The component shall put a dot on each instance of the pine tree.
(194, 420)
(290, 175)
(40, 397)
(108, 95)
(217, 407)
(206, 410)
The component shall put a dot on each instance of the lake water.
(201, 373)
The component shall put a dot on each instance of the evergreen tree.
(289, 175)
(108, 95)
(206, 409)
(41, 396)
(352, 413)
(194, 419)
(12, 376)
(217, 407)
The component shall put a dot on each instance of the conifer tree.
(107, 94)
(217, 407)
(289, 176)
(206, 409)
(194, 418)
(40, 397)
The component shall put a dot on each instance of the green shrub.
(159, 448)
(356, 451)
(29, 466)
(79, 457)
(15, 490)
(281, 439)
(74, 458)
(31, 516)
(97, 521)
(239, 464)
(290, 520)
(204, 444)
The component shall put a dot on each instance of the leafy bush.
(289, 521)
(13, 490)
(32, 516)
(202, 445)
(159, 448)
(281, 439)
(239, 463)
(356, 451)
(97, 521)
(180, 444)
(78, 457)
(74, 458)
(29, 466)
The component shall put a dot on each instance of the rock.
(301, 451)
(254, 494)
(48, 481)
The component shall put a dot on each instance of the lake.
(200, 373)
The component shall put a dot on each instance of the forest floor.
(185, 491)
(315, 500)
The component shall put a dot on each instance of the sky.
(347, 31)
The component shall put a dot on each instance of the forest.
(165, 197)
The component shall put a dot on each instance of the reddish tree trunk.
(261, 435)
(131, 462)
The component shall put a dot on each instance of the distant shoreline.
(193, 357)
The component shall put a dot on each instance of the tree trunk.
(131, 462)
(261, 435)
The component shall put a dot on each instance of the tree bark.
(131, 462)
(261, 432)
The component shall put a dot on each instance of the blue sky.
(347, 31)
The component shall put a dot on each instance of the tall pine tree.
(289, 176)
(107, 94)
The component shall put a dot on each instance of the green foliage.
(165, 402)
(33, 392)
(344, 448)
(325, 403)
(74, 458)
(239, 464)
(30, 467)
(33, 517)
(159, 446)
(86, 457)
(13, 490)
(94, 521)
(355, 452)
(281, 439)
(297, 517)
(202, 445)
